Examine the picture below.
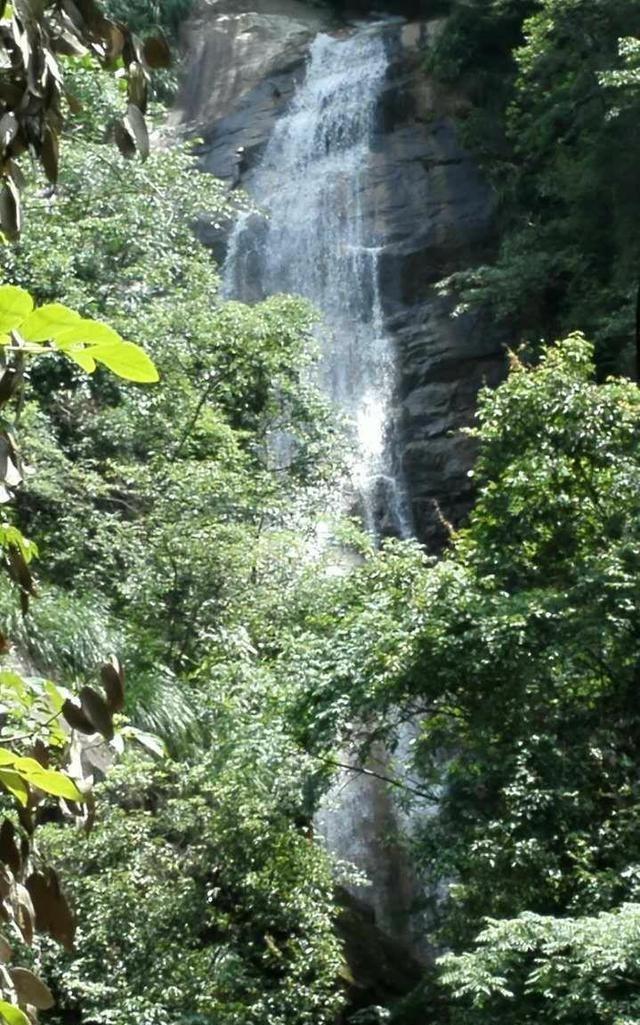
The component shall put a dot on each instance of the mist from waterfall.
(312, 239)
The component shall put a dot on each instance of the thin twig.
(362, 771)
(29, 736)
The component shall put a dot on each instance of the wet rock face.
(243, 60)
(424, 198)
(435, 216)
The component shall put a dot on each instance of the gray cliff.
(425, 199)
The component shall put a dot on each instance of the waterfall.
(314, 239)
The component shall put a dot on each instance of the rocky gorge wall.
(425, 199)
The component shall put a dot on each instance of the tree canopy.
(167, 463)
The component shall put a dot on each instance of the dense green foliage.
(202, 900)
(541, 969)
(519, 653)
(147, 17)
(160, 504)
(555, 104)
(164, 517)
(177, 525)
(143, 16)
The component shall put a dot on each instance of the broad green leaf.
(12, 1014)
(87, 332)
(49, 780)
(14, 682)
(80, 356)
(7, 757)
(150, 741)
(15, 305)
(15, 784)
(10, 679)
(26, 766)
(127, 360)
(55, 697)
(56, 783)
(47, 322)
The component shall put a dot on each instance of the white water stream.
(313, 241)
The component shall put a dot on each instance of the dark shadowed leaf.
(95, 708)
(53, 914)
(138, 86)
(115, 42)
(31, 989)
(10, 214)
(112, 677)
(156, 52)
(9, 851)
(75, 106)
(10, 381)
(76, 718)
(135, 124)
(40, 752)
(26, 819)
(26, 916)
(19, 570)
(49, 154)
(124, 141)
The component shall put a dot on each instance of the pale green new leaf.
(126, 360)
(15, 305)
(15, 784)
(12, 1014)
(47, 322)
(55, 697)
(49, 780)
(87, 332)
(14, 682)
(80, 356)
(56, 783)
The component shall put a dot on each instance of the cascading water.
(313, 241)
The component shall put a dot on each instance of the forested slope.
(553, 89)
(177, 526)
(165, 530)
